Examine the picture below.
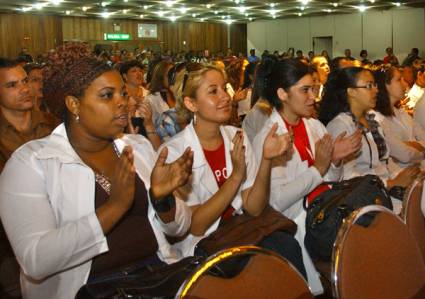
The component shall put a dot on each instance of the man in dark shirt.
(19, 123)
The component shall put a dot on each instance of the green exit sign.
(117, 36)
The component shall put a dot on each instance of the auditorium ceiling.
(228, 11)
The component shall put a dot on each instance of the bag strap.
(332, 183)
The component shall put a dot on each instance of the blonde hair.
(191, 80)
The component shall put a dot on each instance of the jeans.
(285, 245)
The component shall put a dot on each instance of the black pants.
(287, 246)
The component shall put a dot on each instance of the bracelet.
(164, 204)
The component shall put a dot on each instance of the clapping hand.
(238, 157)
(345, 146)
(276, 145)
(166, 178)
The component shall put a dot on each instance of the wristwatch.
(164, 204)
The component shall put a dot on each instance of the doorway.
(322, 43)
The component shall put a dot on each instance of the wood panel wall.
(238, 38)
(37, 33)
(40, 33)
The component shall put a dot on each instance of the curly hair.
(70, 70)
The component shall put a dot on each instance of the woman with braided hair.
(82, 210)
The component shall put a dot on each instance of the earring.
(77, 118)
(194, 119)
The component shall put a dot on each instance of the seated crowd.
(105, 158)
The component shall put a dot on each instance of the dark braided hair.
(69, 72)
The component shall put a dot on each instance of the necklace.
(101, 179)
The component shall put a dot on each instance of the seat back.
(380, 260)
(413, 216)
(265, 275)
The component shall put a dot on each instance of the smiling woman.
(81, 210)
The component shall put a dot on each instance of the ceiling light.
(28, 8)
(183, 9)
(125, 11)
(141, 16)
(242, 9)
(300, 14)
(272, 11)
(246, 14)
(372, 1)
(55, 2)
(302, 7)
(160, 13)
(304, 2)
(209, 5)
(216, 12)
(145, 7)
(103, 4)
(327, 10)
(169, 3)
(39, 5)
(125, 0)
(68, 12)
(272, 4)
(237, 1)
(362, 8)
(335, 4)
(274, 16)
(105, 14)
(222, 17)
(398, 4)
(228, 21)
(173, 18)
(194, 15)
(202, 19)
(250, 19)
(84, 8)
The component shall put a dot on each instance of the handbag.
(244, 229)
(328, 210)
(157, 281)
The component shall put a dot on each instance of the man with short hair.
(19, 123)
(252, 58)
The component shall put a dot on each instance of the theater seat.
(413, 216)
(378, 260)
(265, 275)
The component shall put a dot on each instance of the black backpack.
(328, 210)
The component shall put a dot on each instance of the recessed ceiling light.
(173, 18)
(105, 14)
(160, 13)
(202, 19)
(183, 9)
(335, 4)
(272, 4)
(169, 3)
(84, 8)
(228, 21)
(300, 14)
(28, 8)
(141, 16)
(103, 4)
(242, 9)
(222, 17)
(304, 2)
(362, 8)
(145, 7)
(216, 12)
(274, 16)
(39, 6)
(302, 7)
(68, 12)
(125, 0)
(194, 15)
(250, 19)
(398, 4)
(209, 5)
(125, 11)
(55, 2)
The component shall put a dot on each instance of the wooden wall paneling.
(238, 37)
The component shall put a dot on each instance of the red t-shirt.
(303, 147)
(217, 161)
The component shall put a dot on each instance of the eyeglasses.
(368, 86)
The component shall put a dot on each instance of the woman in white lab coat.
(225, 177)
(315, 156)
(405, 137)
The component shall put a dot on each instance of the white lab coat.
(293, 180)
(203, 184)
(47, 206)
(400, 128)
